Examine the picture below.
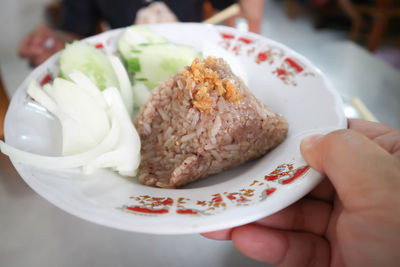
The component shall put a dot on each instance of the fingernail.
(309, 141)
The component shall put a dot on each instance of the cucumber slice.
(150, 57)
(83, 57)
(135, 35)
(130, 42)
(156, 62)
(141, 94)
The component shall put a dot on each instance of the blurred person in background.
(80, 19)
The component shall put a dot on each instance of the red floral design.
(46, 79)
(269, 54)
(215, 203)
(286, 171)
(227, 40)
(150, 205)
(99, 46)
(245, 40)
(269, 191)
(187, 211)
(228, 36)
(283, 174)
(262, 56)
(240, 197)
(147, 210)
(243, 43)
(288, 71)
(298, 172)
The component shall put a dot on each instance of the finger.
(324, 191)
(385, 136)
(39, 37)
(219, 235)
(40, 34)
(281, 248)
(32, 44)
(305, 215)
(359, 169)
(38, 42)
(368, 128)
(23, 45)
(26, 49)
(390, 142)
(39, 59)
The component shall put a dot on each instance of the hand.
(253, 11)
(352, 219)
(39, 45)
(157, 12)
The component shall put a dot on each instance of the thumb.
(360, 170)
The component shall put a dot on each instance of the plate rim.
(59, 202)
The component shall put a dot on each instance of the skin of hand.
(40, 44)
(253, 11)
(350, 219)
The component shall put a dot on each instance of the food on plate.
(80, 109)
(143, 51)
(97, 131)
(211, 49)
(85, 58)
(104, 71)
(200, 122)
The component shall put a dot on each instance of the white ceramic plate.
(284, 80)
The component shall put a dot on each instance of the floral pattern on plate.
(255, 192)
(237, 196)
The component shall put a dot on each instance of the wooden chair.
(3, 107)
(381, 12)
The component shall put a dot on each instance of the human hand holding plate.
(352, 226)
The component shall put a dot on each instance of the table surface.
(355, 72)
(35, 233)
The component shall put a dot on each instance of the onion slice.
(125, 86)
(86, 84)
(125, 157)
(66, 162)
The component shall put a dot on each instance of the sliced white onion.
(66, 162)
(125, 86)
(79, 105)
(125, 157)
(82, 109)
(48, 89)
(75, 138)
(86, 84)
(43, 98)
